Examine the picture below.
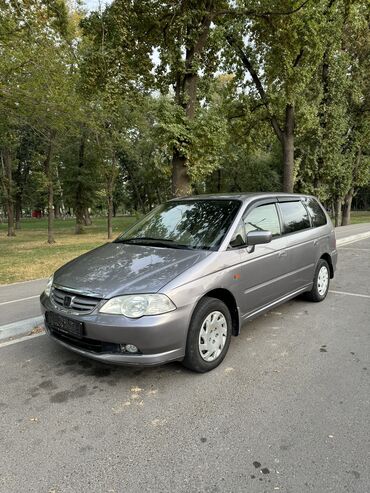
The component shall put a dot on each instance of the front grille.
(73, 301)
(91, 345)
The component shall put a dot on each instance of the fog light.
(129, 348)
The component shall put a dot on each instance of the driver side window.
(263, 218)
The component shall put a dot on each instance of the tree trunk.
(186, 97)
(60, 210)
(110, 213)
(338, 209)
(139, 201)
(18, 212)
(87, 217)
(50, 214)
(79, 210)
(19, 179)
(180, 179)
(6, 164)
(50, 184)
(288, 163)
(346, 210)
(219, 179)
(322, 115)
(159, 197)
(111, 177)
(79, 229)
(288, 150)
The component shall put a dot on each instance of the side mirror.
(258, 237)
(237, 241)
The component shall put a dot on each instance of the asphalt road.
(20, 301)
(288, 410)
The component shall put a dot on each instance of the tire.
(209, 333)
(321, 282)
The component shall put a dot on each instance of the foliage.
(119, 108)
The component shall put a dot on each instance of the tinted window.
(264, 218)
(184, 223)
(316, 213)
(295, 216)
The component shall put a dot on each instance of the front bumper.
(160, 338)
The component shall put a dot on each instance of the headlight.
(138, 305)
(49, 285)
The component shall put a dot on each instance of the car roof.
(244, 197)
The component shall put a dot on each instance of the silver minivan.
(180, 282)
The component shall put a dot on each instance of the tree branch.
(253, 13)
(298, 59)
(257, 82)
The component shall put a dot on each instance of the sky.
(94, 4)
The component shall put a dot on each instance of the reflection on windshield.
(184, 224)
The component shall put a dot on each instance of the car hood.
(117, 268)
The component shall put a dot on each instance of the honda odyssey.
(180, 282)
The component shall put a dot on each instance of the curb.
(19, 328)
(353, 238)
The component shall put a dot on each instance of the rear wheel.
(321, 282)
(209, 335)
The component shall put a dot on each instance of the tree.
(37, 82)
(275, 49)
(188, 52)
(333, 146)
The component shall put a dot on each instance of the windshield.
(184, 224)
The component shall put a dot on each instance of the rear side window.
(317, 214)
(295, 216)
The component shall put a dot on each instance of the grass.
(28, 255)
(358, 217)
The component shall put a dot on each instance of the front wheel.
(321, 282)
(209, 335)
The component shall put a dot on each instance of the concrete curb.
(353, 238)
(20, 328)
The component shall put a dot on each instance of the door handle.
(282, 253)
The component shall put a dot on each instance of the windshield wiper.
(258, 228)
(160, 242)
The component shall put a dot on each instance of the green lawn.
(29, 256)
(360, 217)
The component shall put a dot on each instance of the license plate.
(63, 324)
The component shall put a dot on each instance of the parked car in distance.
(179, 283)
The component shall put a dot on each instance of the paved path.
(287, 411)
(352, 229)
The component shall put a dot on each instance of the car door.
(261, 269)
(300, 238)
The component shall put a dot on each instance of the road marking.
(345, 293)
(20, 299)
(353, 238)
(20, 339)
